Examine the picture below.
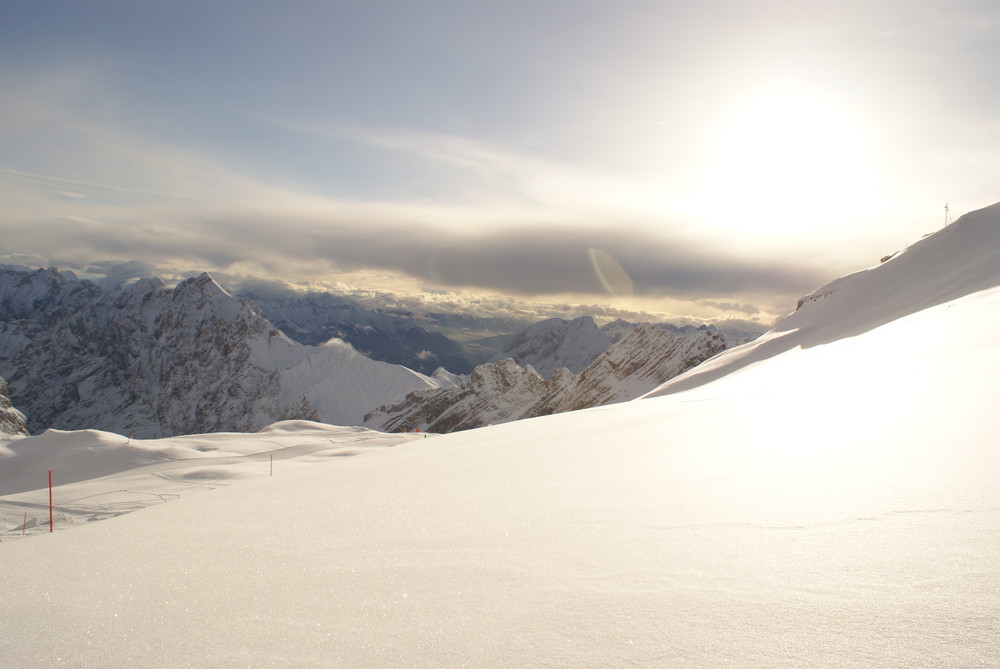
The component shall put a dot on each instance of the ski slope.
(825, 496)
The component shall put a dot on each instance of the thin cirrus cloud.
(482, 172)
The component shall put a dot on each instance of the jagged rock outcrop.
(646, 358)
(11, 420)
(555, 343)
(504, 391)
(149, 360)
(496, 392)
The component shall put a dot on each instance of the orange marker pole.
(50, 501)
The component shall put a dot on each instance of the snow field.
(99, 475)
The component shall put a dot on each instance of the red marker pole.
(50, 501)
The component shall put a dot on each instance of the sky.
(706, 160)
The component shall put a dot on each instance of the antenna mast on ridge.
(946, 215)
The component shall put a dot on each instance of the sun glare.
(782, 160)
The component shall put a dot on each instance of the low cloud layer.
(307, 243)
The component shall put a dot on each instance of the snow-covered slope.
(833, 504)
(502, 391)
(342, 385)
(960, 259)
(100, 474)
(148, 360)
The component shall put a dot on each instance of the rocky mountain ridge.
(556, 343)
(146, 359)
(503, 391)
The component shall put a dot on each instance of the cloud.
(515, 224)
(113, 272)
(262, 289)
(750, 309)
(96, 189)
(301, 238)
(519, 259)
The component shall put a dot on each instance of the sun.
(783, 158)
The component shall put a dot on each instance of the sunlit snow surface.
(833, 503)
(99, 475)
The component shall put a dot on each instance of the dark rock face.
(11, 420)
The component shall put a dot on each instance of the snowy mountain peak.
(617, 330)
(555, 342)
(148, 360)
(24, 292)
(501, 376)
(207, 282)
(204, 294)
(446, 378)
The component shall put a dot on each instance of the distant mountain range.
(393, 336)
(555, 343)
(426, 342)
(150, 360)
(145, 359)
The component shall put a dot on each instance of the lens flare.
(611, 275)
